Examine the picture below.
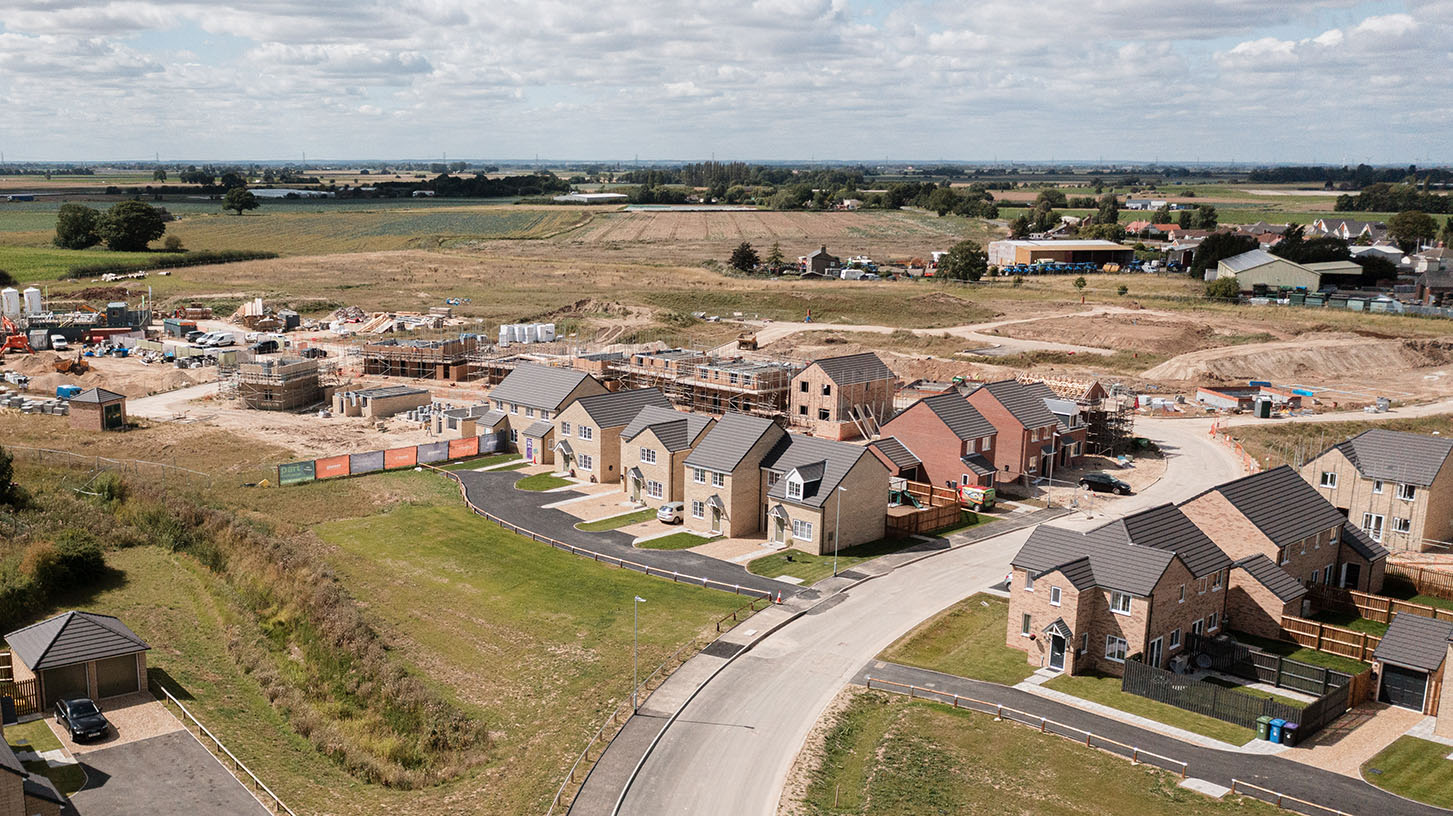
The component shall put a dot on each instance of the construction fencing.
(358, 464)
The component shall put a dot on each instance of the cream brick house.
(723, 475)
(527, 401)
(1140, 585)
(1396, 486)
(844, 397)
(822, 495)
(587, 440)
(653, 451)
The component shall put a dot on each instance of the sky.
(1284, 81)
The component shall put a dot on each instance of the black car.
(83, 719)
(1104, 483)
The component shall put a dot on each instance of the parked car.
(83, 719)
(194, 336)
(58, 342)
(671, 513)
(265, 347)
(1104, 483)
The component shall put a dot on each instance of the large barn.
(1027, 251)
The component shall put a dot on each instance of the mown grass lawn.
(676, 541)
(37, 736)
(887, 756)
(967, 640)
(1351, 620)
(1252, 692)
(37, 264)
(1105, 690)
(1295, 652)
(542, 481)
(813, 568)
(1416, 768)
(616, 522)
(482, 461)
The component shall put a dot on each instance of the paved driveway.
(168, 775)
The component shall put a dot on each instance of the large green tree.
(10, 494)
(77, 227)
(1216, 246)
(1206, 217)
(1411, 228)
(239, 199)
(1108, 209)
(130, 226)
(965, 260)
(744, 258)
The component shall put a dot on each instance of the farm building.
(1261, 269)
(97, 409)
(1027, 251)
(378, 403)
(78, 654)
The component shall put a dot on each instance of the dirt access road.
(768, 333)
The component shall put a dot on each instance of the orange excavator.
(14, 338)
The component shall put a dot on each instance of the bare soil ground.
(129, 375)
(1163, 334)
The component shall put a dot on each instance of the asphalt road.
(734, 744)
(169, 775)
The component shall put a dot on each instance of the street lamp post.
(635, 654)
(837, 533)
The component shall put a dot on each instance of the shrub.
(195, 258)
(1122, 290)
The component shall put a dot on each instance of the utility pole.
(836, 531)
(636, 655)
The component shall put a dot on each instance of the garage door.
(65, 683)
(1403, 687)
(116, 675)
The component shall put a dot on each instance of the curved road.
(733, 746)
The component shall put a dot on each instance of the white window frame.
(514, 435)
(529, 412)
(655, 489)
(1175, 640)
(718, 479)
(1026, 625)
(698, 509)
(1116, 597)
(1328, 480)
(565, 429)
(1407, 492)
(1213, 622)
(1028, 582)
(986, 444)
(802, 530)
(1196, 626)
(698, 475)
(1115, 648)
(1368, 526)
(1284, 556)
(648, 456)
(584, 461)
(1182, 598)
(1216, 582)
(1377, 486)
(794, 489)
(585, 432)
(1402, 525)
(1054, 596)
(1202, 585)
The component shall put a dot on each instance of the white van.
(58, 342)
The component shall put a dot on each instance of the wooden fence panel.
(1378, 608)
(1428, 582)
(24, 693)
(1325, 637)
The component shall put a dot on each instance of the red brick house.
(952, 441)
(1027, 432)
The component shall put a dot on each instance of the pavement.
(1312, 783)
(1357, 736)
(167, 775)
(494, 492)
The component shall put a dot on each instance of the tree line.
(1352, 178)
(1383, 197)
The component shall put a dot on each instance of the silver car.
(671, 513)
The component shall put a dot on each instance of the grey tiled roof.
(963, 420)
(1361, 543)
(977, 464)
(1097, 558)
(1274, 578)
(39, 787)
(1027, 406)
(896, 452)
(97, 395)
(538, 386)
(729, 441)
(676, 429)
(1167, 528)
(854, 368)
(1415, 642)
(9, 761)
(71, 638)
(491, 418)
(1281, 504)
(615, 409)
(1397, 456)
(809, 454)
(539, 428)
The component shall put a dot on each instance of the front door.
(635, 489)
(716, 519)
(529, 449)
(1351, 573)
(1153, 654)
(1057, 652)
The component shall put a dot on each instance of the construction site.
(278, 384)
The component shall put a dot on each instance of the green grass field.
(967, 640)
(44, 263)
(1416, 768)
(1350, 620)
(1289, 442)
(891, 757)
(676, 541)
(617, 522)
(813, 568)
(1295, 652)
(542, 481)
(1105, 690)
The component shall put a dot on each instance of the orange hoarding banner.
(460, 448)
(331, 467)
(400, 457)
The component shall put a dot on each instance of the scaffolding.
(1109, 417)
(278, 384)
(420, 359)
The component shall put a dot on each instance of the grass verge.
(813, 568)
(37, 736)
(676, 541)
(885, 755)
(542, 481)
(1295, 652)
(1105, 690)
(1415, 768)
(967, 640)
(1351, 620)
(482, 461)
(616, 522)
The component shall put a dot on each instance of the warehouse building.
(1027, 251)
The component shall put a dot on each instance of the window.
(584, 461)
(802, 410)
(1084, 642)
(1406, 492)
(544, 414)
(585, 432)
(1175, 639)
(1025, 625)
(1402, 525)
(801, 530)
(698, 508)
(1028, 582)
(514, 435)
(565, 429)
(1054, 596)
(1377, 486)
(1201, 586)
(1212, 622)
(499, 405)
(698, 475)
(794, 489)
(1196, 627)
(648, 456)
(514, 409)
(1283, 556)
(802, 386)
(1372, 525)
(826, 389)
(1216, 582)
(654, 489)
(1329, 479)
(732, 378)
(1120, 603)
(823, 414)
(1182, 598)
(718, 480)
(1115, 648)
(529, 412)
(986, 444)
(1327, 574)
(965, 480)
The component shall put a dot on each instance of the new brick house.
(588, 431)
(898, 458)
(525, 403)
(1279, 531)
(820, 495)
(723, 475)
(1141, 585)
(1396, 486)
(844, 397)
(653, 451)
(952, 441)
(1027, 432)
(1073, 432)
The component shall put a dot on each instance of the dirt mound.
(1309, 357)
(1129, 333)
(129, 376)
(97, 293)
(593, 307)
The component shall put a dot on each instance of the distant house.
(653, 451)
(823, 495)
(79, 654)
(1259, 268)
(527, 400)
(724, 480)
(844, 397)
(97, 409)
(1434, 287)
(1395, 486)
(952, 442)
(1431, 260)
(588, 431)
(1347, 229)
(820, 262)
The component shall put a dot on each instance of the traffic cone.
(779, 596)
